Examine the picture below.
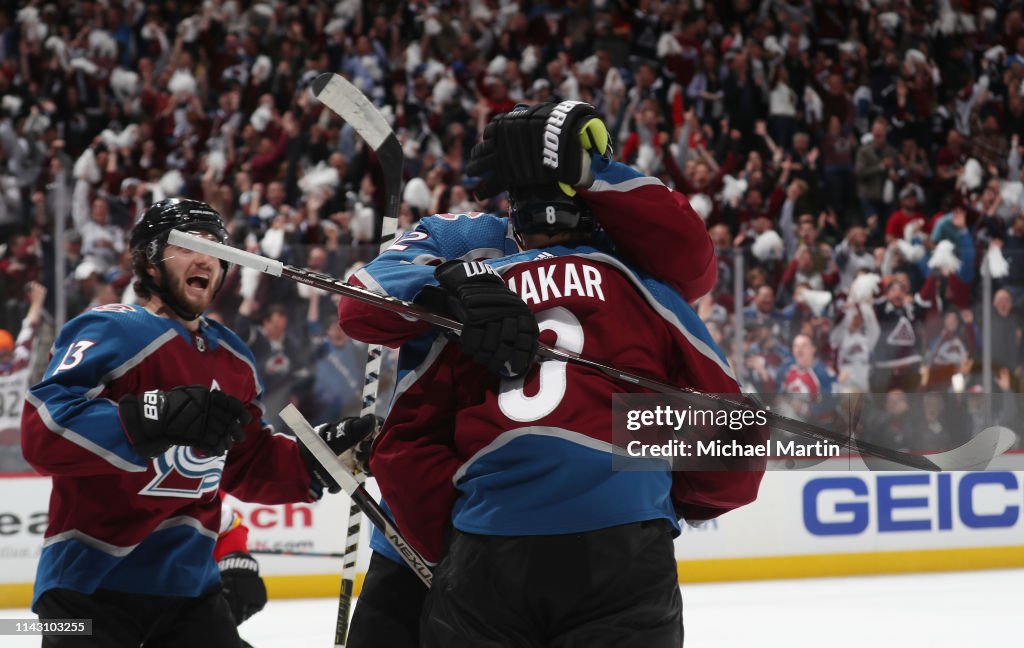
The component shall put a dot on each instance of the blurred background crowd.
(858, 164)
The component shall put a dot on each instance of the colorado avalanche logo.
(181, 472)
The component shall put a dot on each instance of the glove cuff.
(134, 427)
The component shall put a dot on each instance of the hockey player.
(144, 413)
(546, 535)
(649, 223)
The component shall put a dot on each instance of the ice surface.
(954, 610)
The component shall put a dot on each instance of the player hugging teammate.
(499, 469)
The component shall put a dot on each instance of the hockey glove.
(546, 143)
(208, 420)
(242, 585)
(350, 438)
(498, 329)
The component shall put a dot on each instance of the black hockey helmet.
(150, 232)
(152, 229)
(546, 209)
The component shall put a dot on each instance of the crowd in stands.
(858, 161)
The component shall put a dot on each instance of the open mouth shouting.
(197, 284)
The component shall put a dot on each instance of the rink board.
(803, 525)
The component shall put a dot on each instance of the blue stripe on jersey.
(402, 272)
(176, 561)
(508, 491)
(380, 544)
(90, 424)
(89, 352)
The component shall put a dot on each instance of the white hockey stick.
(348, 102)
(356, 490)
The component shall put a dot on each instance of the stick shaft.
(408, 309)
(357, 491)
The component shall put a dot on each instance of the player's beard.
(192, 299)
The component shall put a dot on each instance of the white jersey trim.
(89, 541)
(368, 281)
(121, 552)
(184, 520)
(509, 436)
(417, 372)
(132, 362)
(626, 185)
(241, 356)
(79, 440)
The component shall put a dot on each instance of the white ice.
(954, 610)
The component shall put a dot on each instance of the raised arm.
(654, 228)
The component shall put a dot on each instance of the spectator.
(837, 146)
(896, 360)
(809, 380)
(1013, 251)
(278, 356)
(1006, 333)
(852, 256)
(875, 163)
(948, 350)
(853, 339)
(911, 198)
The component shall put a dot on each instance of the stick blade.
(349, 103)
(979, 451)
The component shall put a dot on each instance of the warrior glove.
(242, 585)
(208, 420)
(498, 329)
(543, 144)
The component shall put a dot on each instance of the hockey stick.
(349, 103)
(356, 490)
(955, 459)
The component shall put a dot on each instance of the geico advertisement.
(796, 513)
(812, 513)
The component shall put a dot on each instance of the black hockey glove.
(542, 144)
(498, 329)
(242, 585)
(208, 420)
(350, 438)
